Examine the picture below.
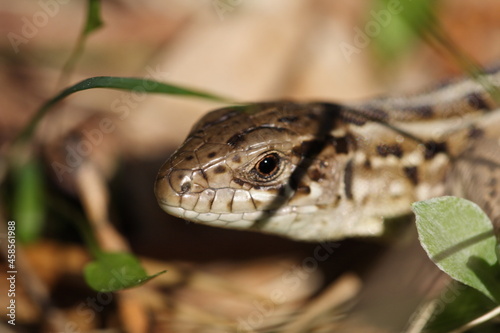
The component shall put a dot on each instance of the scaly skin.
(317, 171)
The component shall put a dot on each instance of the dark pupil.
(268, 165)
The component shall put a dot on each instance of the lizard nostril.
(185, 186)
(181, 181)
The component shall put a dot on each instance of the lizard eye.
(268, 166)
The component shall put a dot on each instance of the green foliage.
(458, 236)
(93, 21)
(456, 306)
(115, 271)
(28, 200)
(122, 83)
(110, 271)
(407, 22)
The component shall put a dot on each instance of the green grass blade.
(92, 23)
(120, 83)
(401, 23)
(28, 204)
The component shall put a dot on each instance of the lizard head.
(273, 167)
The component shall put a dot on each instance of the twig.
(484, 318)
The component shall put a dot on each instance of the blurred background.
(217, 280)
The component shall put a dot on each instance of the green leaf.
(28, 205)
(121, 83)
(458, 236)
(456, 306)
(115, 271)
(93, 17)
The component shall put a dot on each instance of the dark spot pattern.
(212, 154)
(240, 137)
(432, 148)
(312, 116)
(360, 117)
(476, 101)
(493, 182)
(341, 145)
(288, 119)
(220, 169)
(236, 159)
(239, 181)
(308, 148)
(315, 174)
(376, 114)
(385, 150)
(422, 111)
(348, 174)
(304, 189)
(198, 134)
(367, 164)
(475, 133)
(236, 139)
(411, 172)
(351, 117)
